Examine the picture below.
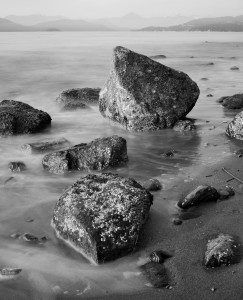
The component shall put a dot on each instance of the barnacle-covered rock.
(102, 216)
(142, 94)
(235, 127)
(17, 166)
(220, 251)
(20, 118)
(98, 155)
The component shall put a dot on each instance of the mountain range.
(128, 22)
(205, 24)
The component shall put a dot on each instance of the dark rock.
(226, 193)
(177, 221)
(210, 64)
(142, 94)
(100, 154)
(45, 146)
(235, 127)
(159, 256)
(201, 194)
(17, 166)
(20, 118)
(210, 95)
(156, 274)
(239, 153)
(30, 238)
(204, 79)
(220, 251)
(168, 153)
(102, 216)
(152, 185)
(232, 102)
(235, 68)
(184, 125)
(160, 56)
(78, 98)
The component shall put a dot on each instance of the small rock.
(15, 235)
(160, 56)
(30, 238)
(9, 179)
(232, 102)
(226, 193)
(45, 146)
(239, 153)
(17, 166)
(220, 251)
(213, 289)
(235, 68)
(29, 220)
(204, 79)
(177, 221)
(235, 127)
(184, 125)
(209, 95)
(152, 185)
(201, 194)
(159, 256)
(168, 153)
(210, 64)
(156, 274)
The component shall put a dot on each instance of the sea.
(35, 67)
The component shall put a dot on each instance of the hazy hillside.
(32, 19)
(205, 24)
(134, 21)
(6, 26)
(71, 25)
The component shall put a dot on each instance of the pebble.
(177, 221)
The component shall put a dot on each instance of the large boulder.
(232, 102)
(100, 154)
(235, 127)
(142, 94)
(20, 118)
(102, 216)
(78, 98)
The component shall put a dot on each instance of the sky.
(110, 8)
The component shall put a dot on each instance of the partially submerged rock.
(159, 256)
(17, 166)
(220, 251)
(102, 216)
(234, 68)
(232, 102)
(20, 118)
(98, 155)
(156, 274)
(142, 94)
(201, 194)
(159, 56)
(239, 153)
(78, 98)
(152, 185)
(184, 125)
(45, 146)
(235, 127)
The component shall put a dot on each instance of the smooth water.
(35, 68)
